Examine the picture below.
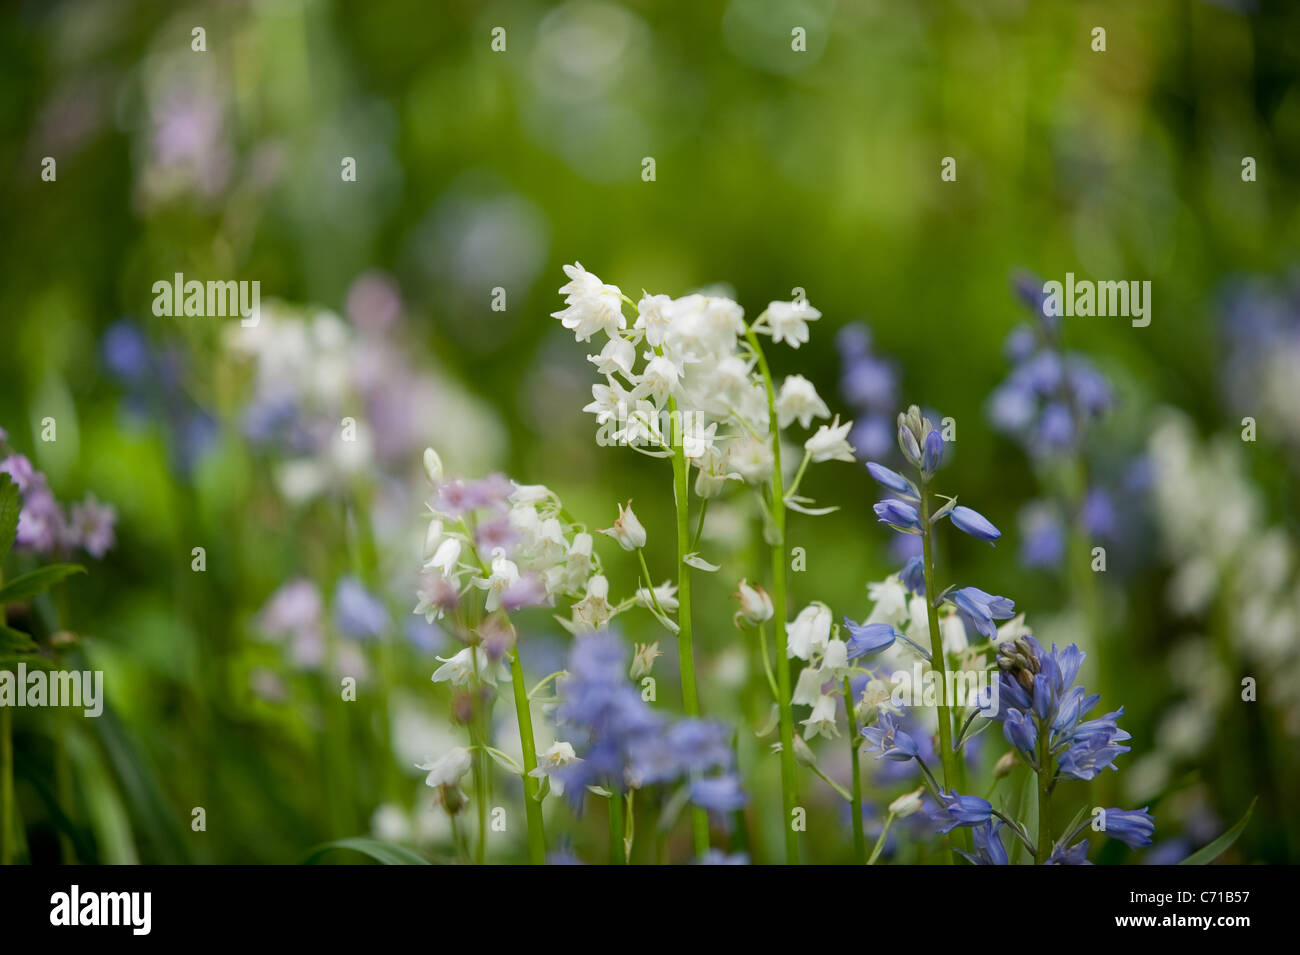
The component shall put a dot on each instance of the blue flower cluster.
(1051, 395)
(622, 742)
(1038, 695)
(153, 379)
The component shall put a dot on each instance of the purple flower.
(958, 810)
(891, 480)
(718, 793)
(91, 527)
(912, 576)
(1077, 854)
(989, 848)
(899, 515)
(1133, 827)
(973, 523)
(888, 737)
(357, 612)
(869, 637)
(932, 453)
(978, 610)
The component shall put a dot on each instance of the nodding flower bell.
(627, 530)
(974, 523)
(755, 605)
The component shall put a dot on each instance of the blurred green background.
(774, 169)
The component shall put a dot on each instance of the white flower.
(788, 321)
(448, 769)
(593, 611)
(445, 558)
(504, 575)
(432, 465)
(877, 695)
(627, 530)
(593, 306)
(798, 400)
(836, 659)
(643, 660)
(432, 538)
(890, 599)
(665, 593)
(755, 605)
(907, 803)
(711, 473)
(697, 440)
(570, 575)
(821, 722)
(530, 495)
(558, 754)
(953, 632)
(609, 402)
(829, 443)
(918, 625)
(810, 632)
(659, 380)
(458, 670)
(751, 459)
(808, 688)
(618, 355)
(654, 315)
(640, 427)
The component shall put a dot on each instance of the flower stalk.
(777, 502)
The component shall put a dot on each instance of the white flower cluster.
(906, 613)
(330, 401)
(690, 355)
(810, 638)
(1223, 553)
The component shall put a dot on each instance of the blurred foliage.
(476, 169)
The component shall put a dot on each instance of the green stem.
(532, 808)
(685, 645)
(699, 524)
(1044, 848)
(789, 780)
(803, 466)
(859, 838)
(937, 661)
(616, 856)
(880, 842)
(767, 662)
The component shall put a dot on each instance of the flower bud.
(433, 465)
(803, 753)
(907, 804)
(643, 660)
(755, 605)
(907, 443)
(1005, 765)
(932, 452)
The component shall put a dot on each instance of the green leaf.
(36, 582)
(15, 641)
(382, 852)
(1221, 845)
(10, 505)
